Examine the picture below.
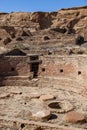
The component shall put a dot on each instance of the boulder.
(74, 117)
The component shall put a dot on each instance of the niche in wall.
(61, 70)
(12, 69)
(43, 69)
(79, 72)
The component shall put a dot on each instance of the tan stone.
(34, 95)
(5, 95)
(74, 117)
(47, 97)
(40, 111)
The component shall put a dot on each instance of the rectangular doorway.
(34, 67)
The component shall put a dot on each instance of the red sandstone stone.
(74, 117)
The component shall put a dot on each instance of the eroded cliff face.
(52, 29)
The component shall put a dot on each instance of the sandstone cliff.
(44, 30)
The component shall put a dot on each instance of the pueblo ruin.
(43, 70)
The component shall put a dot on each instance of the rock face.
(58, 29)
(31, 43)
(74, 117)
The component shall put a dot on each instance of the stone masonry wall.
(14, 66)
(64, 66)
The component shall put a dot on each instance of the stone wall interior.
(43, 70)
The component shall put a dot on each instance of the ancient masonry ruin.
(16, 65)
(43, 70)
(50, 84)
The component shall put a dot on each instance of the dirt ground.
(17, 103)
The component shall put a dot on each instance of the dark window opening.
(43, 69)
(34, 58)
(79, 72)
(34, 68)
(12, 69)
(61, 70)
(25, 103)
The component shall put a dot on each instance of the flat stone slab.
(74, 117)
(47, 97)
(40, 111)
(31, 95)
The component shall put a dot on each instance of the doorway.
(34, 67)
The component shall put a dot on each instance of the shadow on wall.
(8, 65)
(6, 70)
(44, 20)
(45, 23)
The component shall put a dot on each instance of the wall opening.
(79, 72)
(34, 58)
(34, 67)
(22, 126)
(43, 69)
(12, 69)
(61, 70)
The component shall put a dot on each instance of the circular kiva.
(60, 106)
